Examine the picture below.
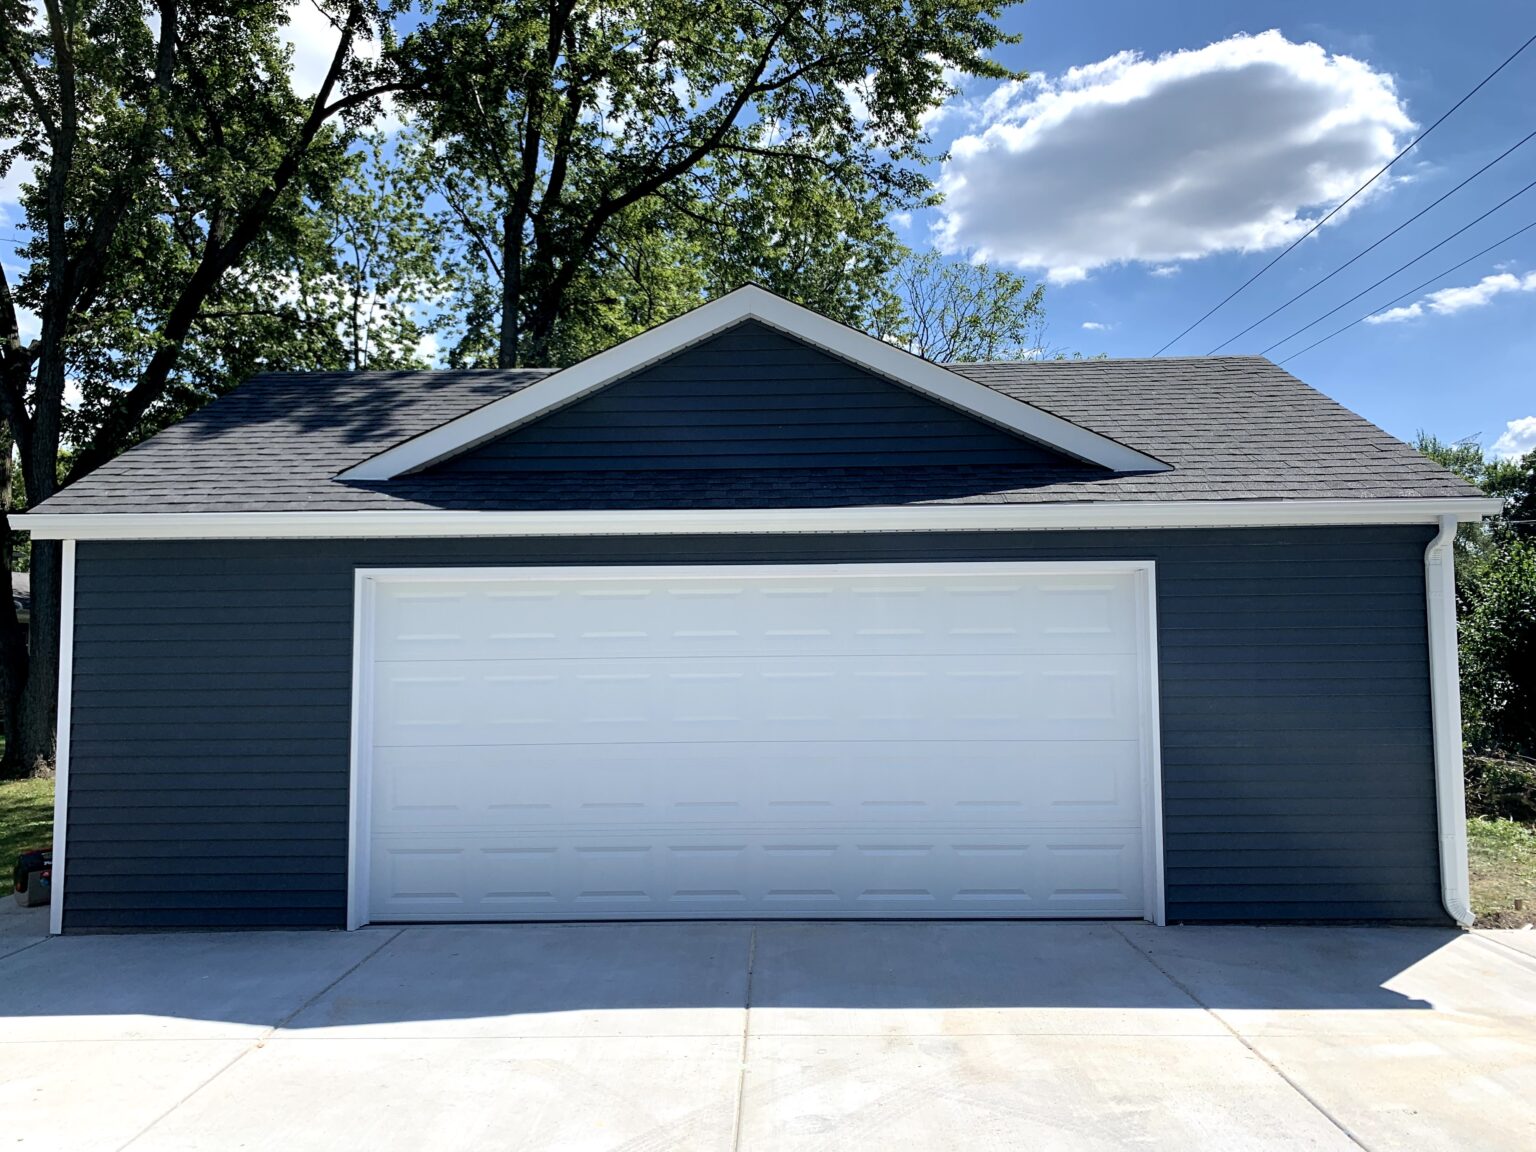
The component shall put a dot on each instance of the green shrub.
(1501, 789)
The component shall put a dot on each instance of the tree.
(1496, 600)
(174, 166)
(1498, 651)
(957, 311)
(753, 131)
(1514, 482)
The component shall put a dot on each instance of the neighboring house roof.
(21, 594)
(1230, 427)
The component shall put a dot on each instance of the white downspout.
(1445, 702)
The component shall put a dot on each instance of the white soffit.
(749, 303)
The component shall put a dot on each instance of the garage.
(899, 740)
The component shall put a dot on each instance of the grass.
(1501, 855)
(26, 821)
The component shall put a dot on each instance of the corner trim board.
(1445, 703)
(749, 303)
(750, 521)
(61, 741)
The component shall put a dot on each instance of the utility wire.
(1345, 203)
(1414, 291)
(1371, 247)
(1398, 269)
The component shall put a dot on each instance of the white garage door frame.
(368, 580)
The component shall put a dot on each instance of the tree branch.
(219, 256)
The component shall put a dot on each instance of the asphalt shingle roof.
(1232, 427)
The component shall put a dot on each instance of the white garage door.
(966, 740)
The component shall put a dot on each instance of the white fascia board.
(749, 303)
(752, 521)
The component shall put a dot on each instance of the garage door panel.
(841, 742)
(782, 616)
(761, 786)
(1030, 872)
(958, 697)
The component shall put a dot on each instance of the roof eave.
(754, 521)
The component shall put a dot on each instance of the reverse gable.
(751, 303)
(751, 397)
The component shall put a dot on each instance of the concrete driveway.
(770, 1037)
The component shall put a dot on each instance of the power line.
(1415, 290)
(1345, 203)
(1371, 247)
(1398, 269)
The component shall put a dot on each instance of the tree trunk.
(13, 643)
(511, 289)
(39, 699)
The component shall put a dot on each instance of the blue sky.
(1084, 178)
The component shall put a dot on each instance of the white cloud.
(1450, 300)
(314, 36)
(1094, 326)
(1164, 271)
(1231, 147)
(427, 349)
(1519, 437)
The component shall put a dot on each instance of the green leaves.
(1498, 650)
(1496, 594)
(769, 140)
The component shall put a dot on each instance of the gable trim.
(749, 303)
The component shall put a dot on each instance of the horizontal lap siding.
(750, 397)
(209, 764)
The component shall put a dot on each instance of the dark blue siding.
(751, 397)
(209, 767)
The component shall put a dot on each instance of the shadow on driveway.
(391, 976)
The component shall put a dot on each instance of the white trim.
(1152, 751)
(749, 303)
(61, 742)
(1445, 699)
(716, 571)
(359, 791)
(366, 581)
(751, 521)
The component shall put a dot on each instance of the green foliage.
(1515, 482)
(1501, 789)
(765, 140)
(1498, 650)
(1496, 595)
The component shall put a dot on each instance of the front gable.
(751, 397)
(852, 360)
